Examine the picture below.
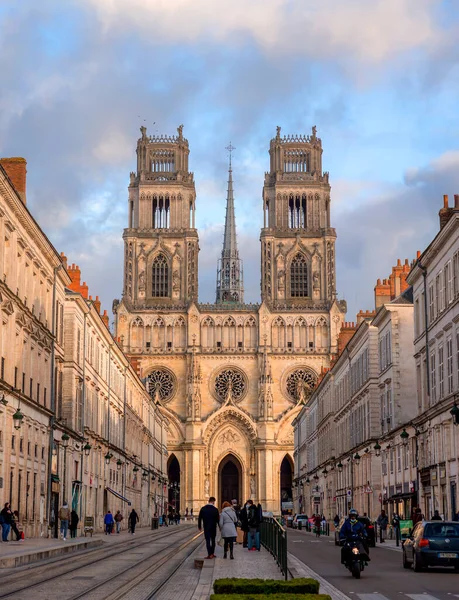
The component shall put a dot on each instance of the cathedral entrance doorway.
(286, 477)
(230, 479)
(173, 473)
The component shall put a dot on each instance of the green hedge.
(287, 596)
(266, 586)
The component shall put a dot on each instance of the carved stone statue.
(176, 281)
(278, 131)
(143, 131)
(316, 280)
(206, 487)
(314, 132)
(252, 487)
(180, 131)
(281, 280)
(300, 391)
(142, 281)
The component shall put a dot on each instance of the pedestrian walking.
(178, 516)
(191, 513)
(118, 518)
(382, 522)
(6, 517)
(208, 520)
(317, 524)
(417, 515)
(64, 517)
(186, 512)
(74, 519)
(164, 518)
(228, 520)
(133, 520)
(253, 521)
(108, 522)
(436, 516)
(336, 521)
(16, 526)
(244, 520)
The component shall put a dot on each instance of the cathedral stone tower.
(298, 244)
(161, 243)
(230, 286)
(230, 376)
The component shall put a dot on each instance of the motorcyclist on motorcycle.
(352, 529)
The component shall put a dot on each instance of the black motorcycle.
(355, 556)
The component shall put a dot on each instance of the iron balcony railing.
(274, 538)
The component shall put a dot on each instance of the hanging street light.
(135, 469)
(454, 412)
(325, 472)
(377, 449)
(3, 400)
(87, 448)
(65, 439)
(108, 457)
(339, 466)
(17, 419)
(119, 464)
(404, 437)
(357, 458)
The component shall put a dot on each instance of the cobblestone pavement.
(246, 564)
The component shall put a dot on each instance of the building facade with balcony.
(435, 281)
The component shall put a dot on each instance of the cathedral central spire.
(230, 286)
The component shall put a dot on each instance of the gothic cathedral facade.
(231, 376)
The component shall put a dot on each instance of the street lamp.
(325, 472)
(308, 481)
(87, 448)
(339, 466)
(316, 477)
(404, 437)
(145, 475)
(377, 449)
(135, 469)
(357, 458)
(65, 440)
(17, 419)
(119, 464)
(3, 400)
(108, 457)
(455, 414)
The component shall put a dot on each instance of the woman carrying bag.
(228, 520)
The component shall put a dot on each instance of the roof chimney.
(456, 201)
(16, 169)
(445, 213)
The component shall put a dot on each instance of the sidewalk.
(250, 565)
(31, 550)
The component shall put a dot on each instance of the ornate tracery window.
(299, 277)
(160, 277)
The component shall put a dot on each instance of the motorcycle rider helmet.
(353, 514)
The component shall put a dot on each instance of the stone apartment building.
(348, 448)
(231, 376)
(75, 420)
(435, 281)
(32, 298)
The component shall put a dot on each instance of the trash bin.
(154, 523)
(300, 524)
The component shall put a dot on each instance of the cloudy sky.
(379, 79)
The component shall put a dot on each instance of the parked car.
(369, 527)
(299, 518)
(432, 544)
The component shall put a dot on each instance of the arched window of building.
(229, 333)
(321, 333)
(179, 334)
(278, 333)
(299, 277)
(158, 333)
(207, 333)
(300, 337)
(250, 333)
(137, 333)
(160, 277)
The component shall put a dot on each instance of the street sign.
(349, 493)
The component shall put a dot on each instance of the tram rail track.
(88, 558)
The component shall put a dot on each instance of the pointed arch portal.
(286, 479)
(173, 473)
(229, 479)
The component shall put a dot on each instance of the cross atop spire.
(230, 286)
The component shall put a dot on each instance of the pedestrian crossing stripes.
(377, 596)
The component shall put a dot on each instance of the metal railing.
(274, 538)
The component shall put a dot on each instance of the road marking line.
(373, 596)
(423, 596)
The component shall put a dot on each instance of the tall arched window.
(160, 277)
(299, 277)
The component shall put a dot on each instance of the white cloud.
(363, 30)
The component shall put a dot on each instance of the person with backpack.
(253, 521)
(64, 517)
(108, 522)
(118, 518)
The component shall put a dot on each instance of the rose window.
(163, 382)
(300, 384)
(230, 382)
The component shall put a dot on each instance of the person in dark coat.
(244, 519)
(133, 520)
(208, 520)
(436, 516)
(74, 519)
(253, 519)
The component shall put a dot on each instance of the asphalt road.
(384, 578)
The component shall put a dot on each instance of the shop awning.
(122, 498)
